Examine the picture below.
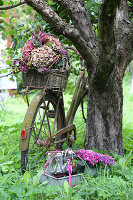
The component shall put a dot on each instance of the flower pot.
(52, 180)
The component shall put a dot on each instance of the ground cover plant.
(110, 183)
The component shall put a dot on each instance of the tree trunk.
(104, 117)
(106, 58)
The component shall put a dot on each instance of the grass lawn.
(110, 184)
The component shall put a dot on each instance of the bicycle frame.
(79, 93)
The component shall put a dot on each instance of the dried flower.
(41, 53)
(42, 56)
(28, 47)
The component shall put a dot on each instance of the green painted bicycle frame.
(27, 124)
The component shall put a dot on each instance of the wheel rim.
(46, 122)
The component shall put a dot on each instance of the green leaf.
(3, 70)
(1, 3)
(89, 4)
(5, 169)
(27, 178)
(26, 99)
(1, 27)
(13, 32)
(6, 24)
(37, 178)
(18, 56)
(49, 44)
(50, 2)
(1, 19)
(80, 162)
(7, 163)
(103, 194)
(90, 171)
(8, 62)
(19, 191)
(66, 187)
(4, 195)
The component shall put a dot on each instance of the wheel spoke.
(56, 115)
(46, 121)
(47, 116)
(41, 124)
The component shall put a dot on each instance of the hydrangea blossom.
(44, 38)
(93, 157)
(28, 47)
(41, 53)
(42, 57)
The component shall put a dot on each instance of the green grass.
(127, 113)
(110, 184)
(15, 109)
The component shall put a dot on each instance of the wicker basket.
(55, 79)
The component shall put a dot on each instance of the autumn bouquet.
(42, 52)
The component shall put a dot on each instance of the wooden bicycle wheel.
(47, 120)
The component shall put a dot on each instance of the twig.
(12, 6)
(72, 48)
(75, 50)
(7, 75)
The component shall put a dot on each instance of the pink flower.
(94, 157)
(74, 185)
(28, 47)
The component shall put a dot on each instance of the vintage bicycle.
(45, 126)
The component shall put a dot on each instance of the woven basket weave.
(55, 79)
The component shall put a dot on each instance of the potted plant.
(69, 165)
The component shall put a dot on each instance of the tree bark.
(106, 58)
(81, 21)
(104, 119)
(105, 96)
